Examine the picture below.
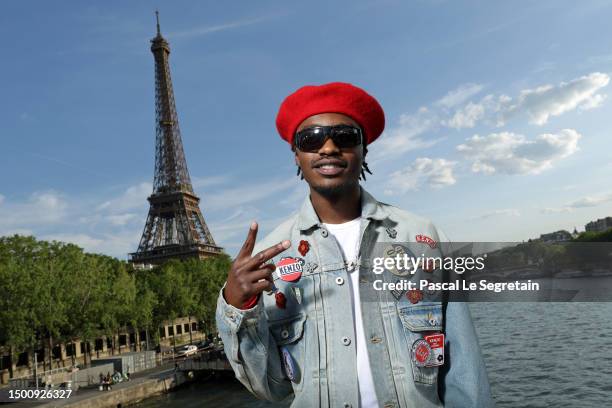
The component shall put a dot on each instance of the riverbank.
(140, 387)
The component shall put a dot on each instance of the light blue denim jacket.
(317, 327)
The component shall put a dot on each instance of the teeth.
(330, 166)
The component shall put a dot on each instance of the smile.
(330, 167)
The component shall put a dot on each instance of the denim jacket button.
(346, 341)
(285, 334)
(347, 405)
(339, 280)
(324, 233)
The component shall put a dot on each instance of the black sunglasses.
(313, 138)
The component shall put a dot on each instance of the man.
(300, 316)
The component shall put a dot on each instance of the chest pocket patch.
(419, 321)
(287, 334)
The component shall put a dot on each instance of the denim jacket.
(315, 328)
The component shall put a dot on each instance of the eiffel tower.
(175, 227)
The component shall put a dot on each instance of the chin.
(334, 189)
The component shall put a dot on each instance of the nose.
(329, 147)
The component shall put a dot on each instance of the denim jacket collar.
(370, 209)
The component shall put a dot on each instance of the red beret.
(335, 97)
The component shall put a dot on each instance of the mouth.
(329, 167)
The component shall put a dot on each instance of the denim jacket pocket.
(288, 333)
(419, 321)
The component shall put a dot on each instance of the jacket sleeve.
(251, 350)
(464, 380)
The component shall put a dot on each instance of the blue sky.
(498, 116)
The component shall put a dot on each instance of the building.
(557, 236)
(601, 225)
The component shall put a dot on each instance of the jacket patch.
(426, 240)
(304, 247)
(290, 269)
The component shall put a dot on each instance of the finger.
(259, 274)
(266, 254)
(261, 286)
(249, 242)
(270, 278)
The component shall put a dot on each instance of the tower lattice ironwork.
(175, 227)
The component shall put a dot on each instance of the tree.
(55, 292)
(17, 283)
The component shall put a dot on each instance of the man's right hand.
(249, 274)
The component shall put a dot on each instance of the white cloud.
(16, 231)
(455, 110)
(585, 202)
(539, 104)
(116, 243)
(50, 201)
(40, 208)
(121, 219)
(467, 116)
(506, 212)
(546, 101)
(83, 240)
(132, 198)
(512, 153)
(436, 173)
(405, 137)
(551, 210)
(595, 102)
(204, 182)
(459, 95)
(591, 201)
(50, 215)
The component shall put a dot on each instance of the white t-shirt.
(347, 235)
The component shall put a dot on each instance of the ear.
(295, 156)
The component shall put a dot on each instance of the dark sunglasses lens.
(346, 136)
(310, 139)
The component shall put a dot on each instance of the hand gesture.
(249, 274)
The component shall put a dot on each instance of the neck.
(337, 208)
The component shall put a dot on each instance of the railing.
(214, 360)
(42, 374)
(29, 379)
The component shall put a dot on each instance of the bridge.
(210, 360)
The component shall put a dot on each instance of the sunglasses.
(313, 138)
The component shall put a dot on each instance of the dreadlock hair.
(364, 166)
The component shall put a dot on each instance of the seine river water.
(537, 355)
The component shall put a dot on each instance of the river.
(537, 355)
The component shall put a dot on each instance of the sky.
(497, 113)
